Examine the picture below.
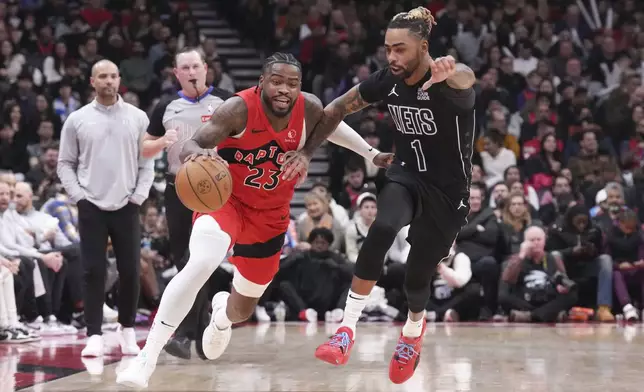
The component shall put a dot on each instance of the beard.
(411, 66)
(268, 103)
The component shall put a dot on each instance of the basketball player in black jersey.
(431, 102)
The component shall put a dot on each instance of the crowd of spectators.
(557, 197)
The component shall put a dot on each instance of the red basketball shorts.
(257, 238)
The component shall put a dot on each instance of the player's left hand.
(295, 163)
(384, 159)
(442, 68)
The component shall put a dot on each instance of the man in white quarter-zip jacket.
(102, 169)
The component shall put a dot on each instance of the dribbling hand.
(442, 68)
(207, 153)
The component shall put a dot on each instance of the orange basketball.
(203, 185)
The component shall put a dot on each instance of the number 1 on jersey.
(420, 156)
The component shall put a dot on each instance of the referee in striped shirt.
(174, 121)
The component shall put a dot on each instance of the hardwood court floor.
(465, 357)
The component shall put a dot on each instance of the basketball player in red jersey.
(254, 132)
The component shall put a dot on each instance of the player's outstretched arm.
(343, 135)
(229, 119)
(462, 78)
(333, 114)
(457, 76)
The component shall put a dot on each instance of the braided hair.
(419, 21)
(279, 58)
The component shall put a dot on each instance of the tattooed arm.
(228, 120)
(334, 113)
(343, 135)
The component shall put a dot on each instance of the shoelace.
(405, 351)
(340, 340)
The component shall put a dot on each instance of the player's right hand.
(207, 153)
(170, 137)
(384, 159)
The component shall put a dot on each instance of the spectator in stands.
(11, 61)
(556, 202)
(496, 158)
(626, 245)
(590, 161)
(543, 291)
(516, 219)
(545, 163)
(453, 298)
(511, 176)
(65, 103)
(46, 139)
(338, 212)
(209, 50)
(44, 112)
(498, 122)
(580, 245)
(632, 151)
(13, 152)
(499, 192)
(10, 325)
(43, 176)
(49, 237)
(614, 204)
(19, 241)
(137, 74)
(358, 227)
(58, 205)
(89, 56)
(221, 78)
(353, 187)
(478, 240)
(95, 14)
(54, 64)
(318, 215)
(315, 281)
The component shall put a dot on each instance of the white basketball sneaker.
(138, 373)
(127, 341)
(94, 347)
(215, 340)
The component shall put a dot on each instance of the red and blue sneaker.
(406, 357)
(337, 350)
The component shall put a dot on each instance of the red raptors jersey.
(256, 155)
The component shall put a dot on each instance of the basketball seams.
(193, 189)
(214, 183)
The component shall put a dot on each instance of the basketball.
(203, 185)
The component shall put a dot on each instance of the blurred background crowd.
(559, 146)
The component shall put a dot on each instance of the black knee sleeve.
(417, 297)
(421, 268)
(374, 249)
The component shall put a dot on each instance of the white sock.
(221, 319)
(4, 315)
(413, 329)
(208, 247)
(353, 310)
(10, 302)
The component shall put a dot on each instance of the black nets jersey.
(434, 130)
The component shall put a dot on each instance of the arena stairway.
(244, 64)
